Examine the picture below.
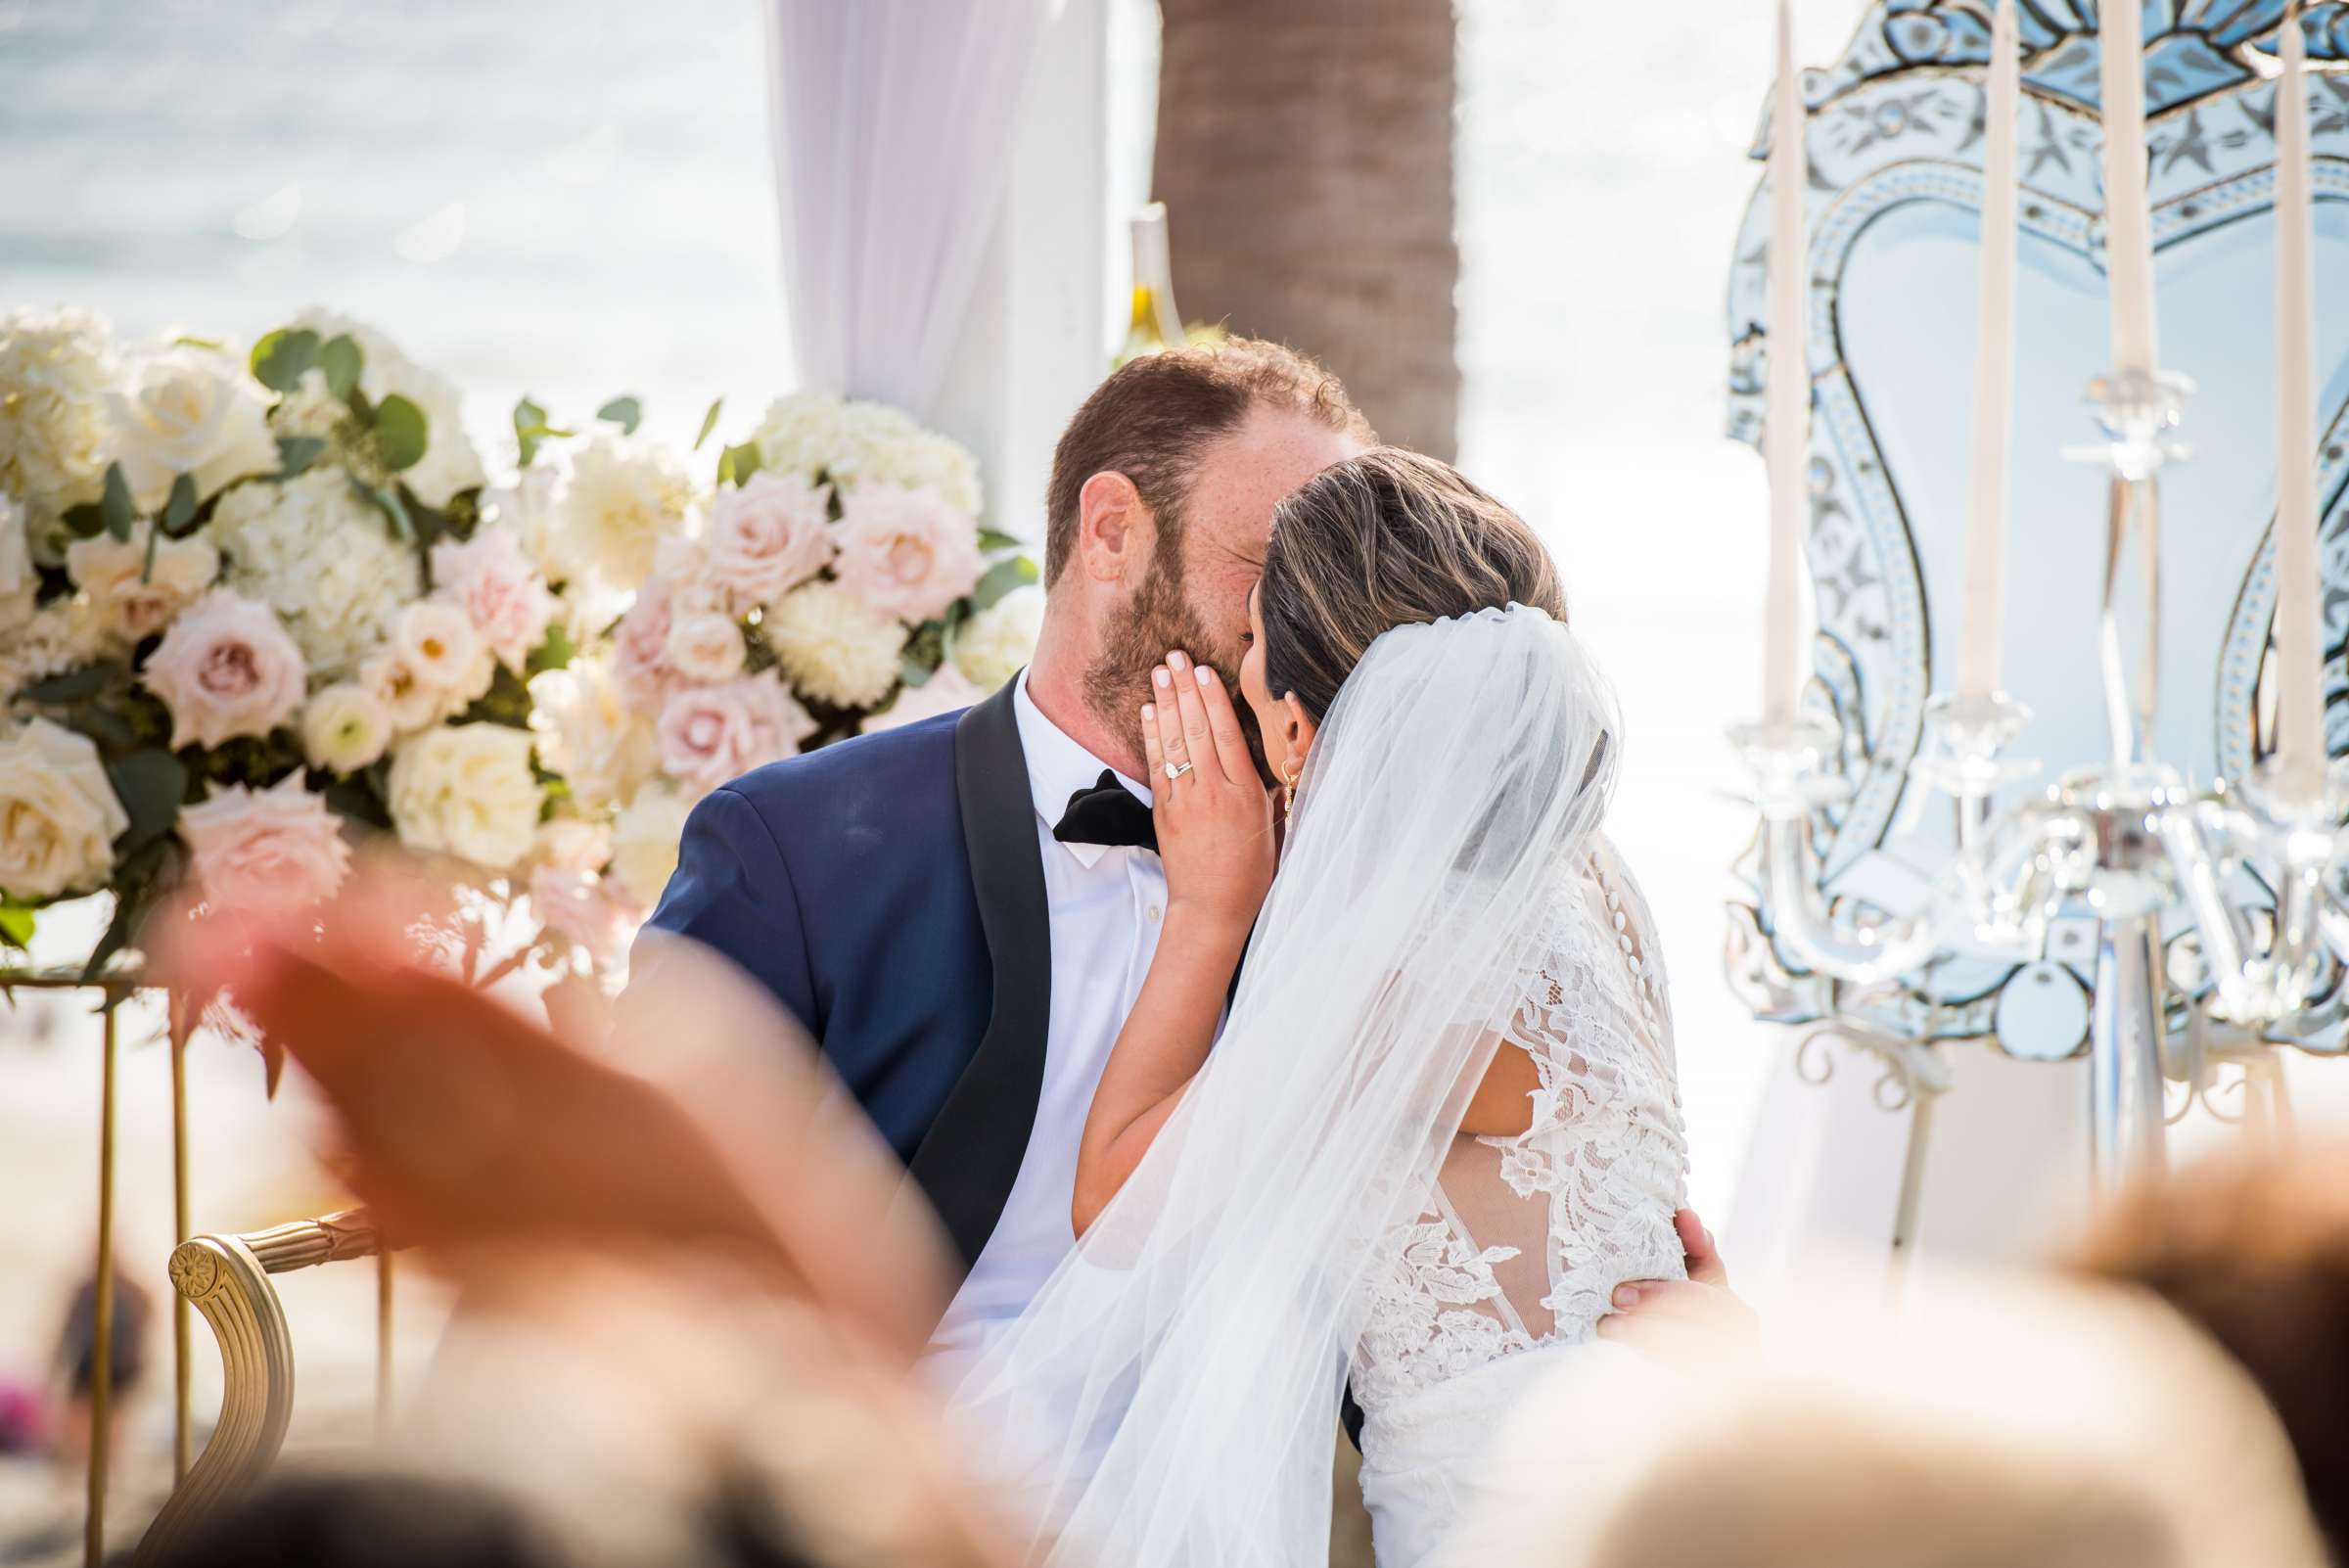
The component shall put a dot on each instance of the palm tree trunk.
(1305, 156)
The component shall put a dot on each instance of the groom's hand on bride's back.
(1692, 1317)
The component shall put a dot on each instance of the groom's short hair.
(1151, 419)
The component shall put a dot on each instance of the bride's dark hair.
(1386, 539)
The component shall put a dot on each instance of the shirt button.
(1153, 913)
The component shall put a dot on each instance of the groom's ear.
(1116, 533)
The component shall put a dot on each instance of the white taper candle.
(1994, 366)
(2128, 215)
(2299, 652)
(1786, 434)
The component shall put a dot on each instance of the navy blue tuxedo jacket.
(889, 890)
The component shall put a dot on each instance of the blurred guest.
(77, 1360)
(2008, 1426)
(691, 1306)
(2256, 1253)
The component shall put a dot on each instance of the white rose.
(56, 367)
(625, 495)
(188, 410)
(132, 595)
(834, 647)
(59, 817)
(413, 701)
(644, 843)
(992, 645)
(588, 732)
(449, 464)
(705, 646)
(467, 790)
(323, 559)
(344, 728)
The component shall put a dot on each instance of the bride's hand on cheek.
(1215, 817)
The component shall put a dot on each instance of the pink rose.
(256, 849)
(906, 553)
(505, 599)
(766, 539)
(710, 734)
(576, 906)
(226, 668)
(641, 664)
(946, 691)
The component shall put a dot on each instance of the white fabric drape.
(891, 124)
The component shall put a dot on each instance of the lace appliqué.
(1591, 1183)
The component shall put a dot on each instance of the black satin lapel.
(970, 1156)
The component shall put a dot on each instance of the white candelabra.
(2244, 879)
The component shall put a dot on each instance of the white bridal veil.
(1169, 1399)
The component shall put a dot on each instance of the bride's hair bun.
(1390, 539)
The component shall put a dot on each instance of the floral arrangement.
(257, 604)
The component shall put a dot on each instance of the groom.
(962, 911)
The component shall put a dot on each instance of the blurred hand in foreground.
(1695, 1318)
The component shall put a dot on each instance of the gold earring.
(1288, 792)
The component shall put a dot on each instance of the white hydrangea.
(450, 463)
(323, 559)
(856, 442)
(55, 368)
(995, 644)
(834, 646)
(50, 641)
(644, 842)
(17, 584)
(624, 498)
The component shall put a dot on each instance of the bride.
(1439, 1124)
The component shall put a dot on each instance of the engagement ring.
(1175, 770)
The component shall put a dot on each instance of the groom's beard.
(1160, 620)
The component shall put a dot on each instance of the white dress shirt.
(1107, 905)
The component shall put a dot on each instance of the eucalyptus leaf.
(296, 454)
(120, 510)
(179, 512)
(553, 654)
(188, 340)
(709, 422)
(914, 672)
(388, 503)
(530, 428)
(401, 433)
(73, 686)
(16, 925)
(997, 540)
(1003, 578)
(626, 412)
(150, 784)
(86, 520)
(341, 358)
(280, 360)
(736, 464)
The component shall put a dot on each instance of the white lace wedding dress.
(1525, 1238)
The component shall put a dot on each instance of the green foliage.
(553, 654)
(17, 922)
(401, 433)
(296, 454)
(342, 360)
(996, 539)
(388, 502)
(1003, 578)
(736, 464)
(626, 412)
(709, 422)
(117, 507)
(86, 520)
(150, 785)
(179, 512)
(73, 686)
(284, 356)
(530, 428)
(188, 340)
(507, 702)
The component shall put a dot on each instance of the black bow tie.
(1109, 814)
